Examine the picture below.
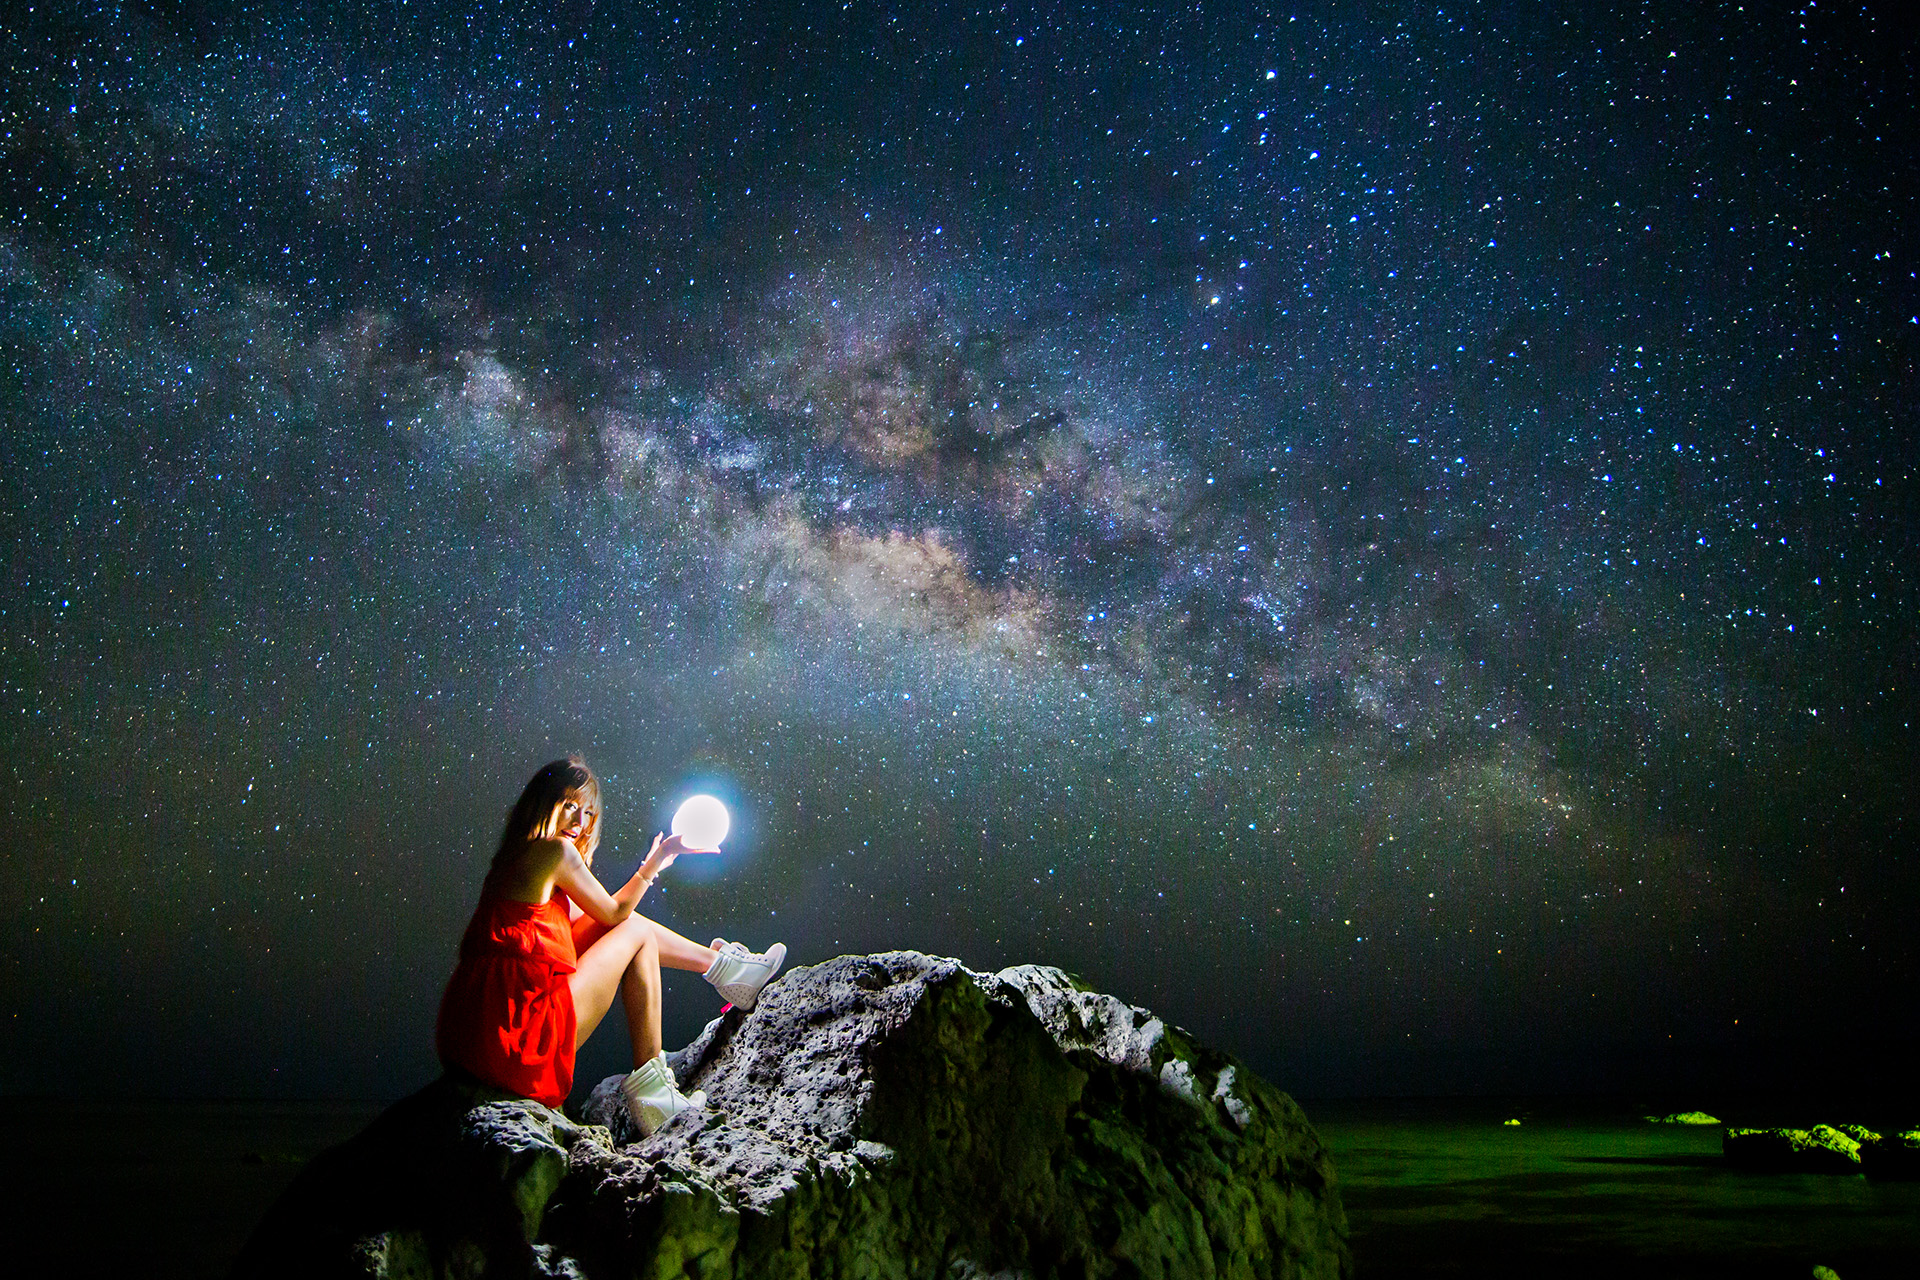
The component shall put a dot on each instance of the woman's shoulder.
(550, 851)
(528, 873)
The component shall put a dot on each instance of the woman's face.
(576, 821)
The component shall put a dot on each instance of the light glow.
(701, 822)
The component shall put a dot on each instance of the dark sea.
(1433, 1188)
(1586, 1188)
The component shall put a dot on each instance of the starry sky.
(1385, 533)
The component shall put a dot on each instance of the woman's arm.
(576, 879)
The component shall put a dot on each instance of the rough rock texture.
(887, 1115)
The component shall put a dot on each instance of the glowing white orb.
(702, 822)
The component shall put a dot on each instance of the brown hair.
(536, 814)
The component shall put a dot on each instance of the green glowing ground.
(1443, 1189)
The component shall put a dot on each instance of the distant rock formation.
(1821, 1149)
(1825, 1148)
(885, 1115)
(1896, 1155)
(1685, 1117)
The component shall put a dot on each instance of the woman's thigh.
(595, 981)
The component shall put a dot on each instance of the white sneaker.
(738, 974)
(651, 1097)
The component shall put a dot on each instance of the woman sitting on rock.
(549, 947)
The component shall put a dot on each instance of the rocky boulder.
(1821, 1149)
(452, 1181)
(885, 1115)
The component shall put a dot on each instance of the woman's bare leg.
(627, 955)
(640, 995)
(678, 952)
(627, 959)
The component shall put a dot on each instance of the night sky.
(1385, 533)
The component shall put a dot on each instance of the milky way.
(1386, 538)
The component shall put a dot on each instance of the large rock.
(876, 1116)
(452, 1181)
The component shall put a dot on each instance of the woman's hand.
(665, 849)
(661, 856)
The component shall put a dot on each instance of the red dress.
(507, 1016)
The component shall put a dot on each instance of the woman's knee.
(640, 935)
(631, 937)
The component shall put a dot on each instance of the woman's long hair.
(536, 814)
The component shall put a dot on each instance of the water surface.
(1441, 1188)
